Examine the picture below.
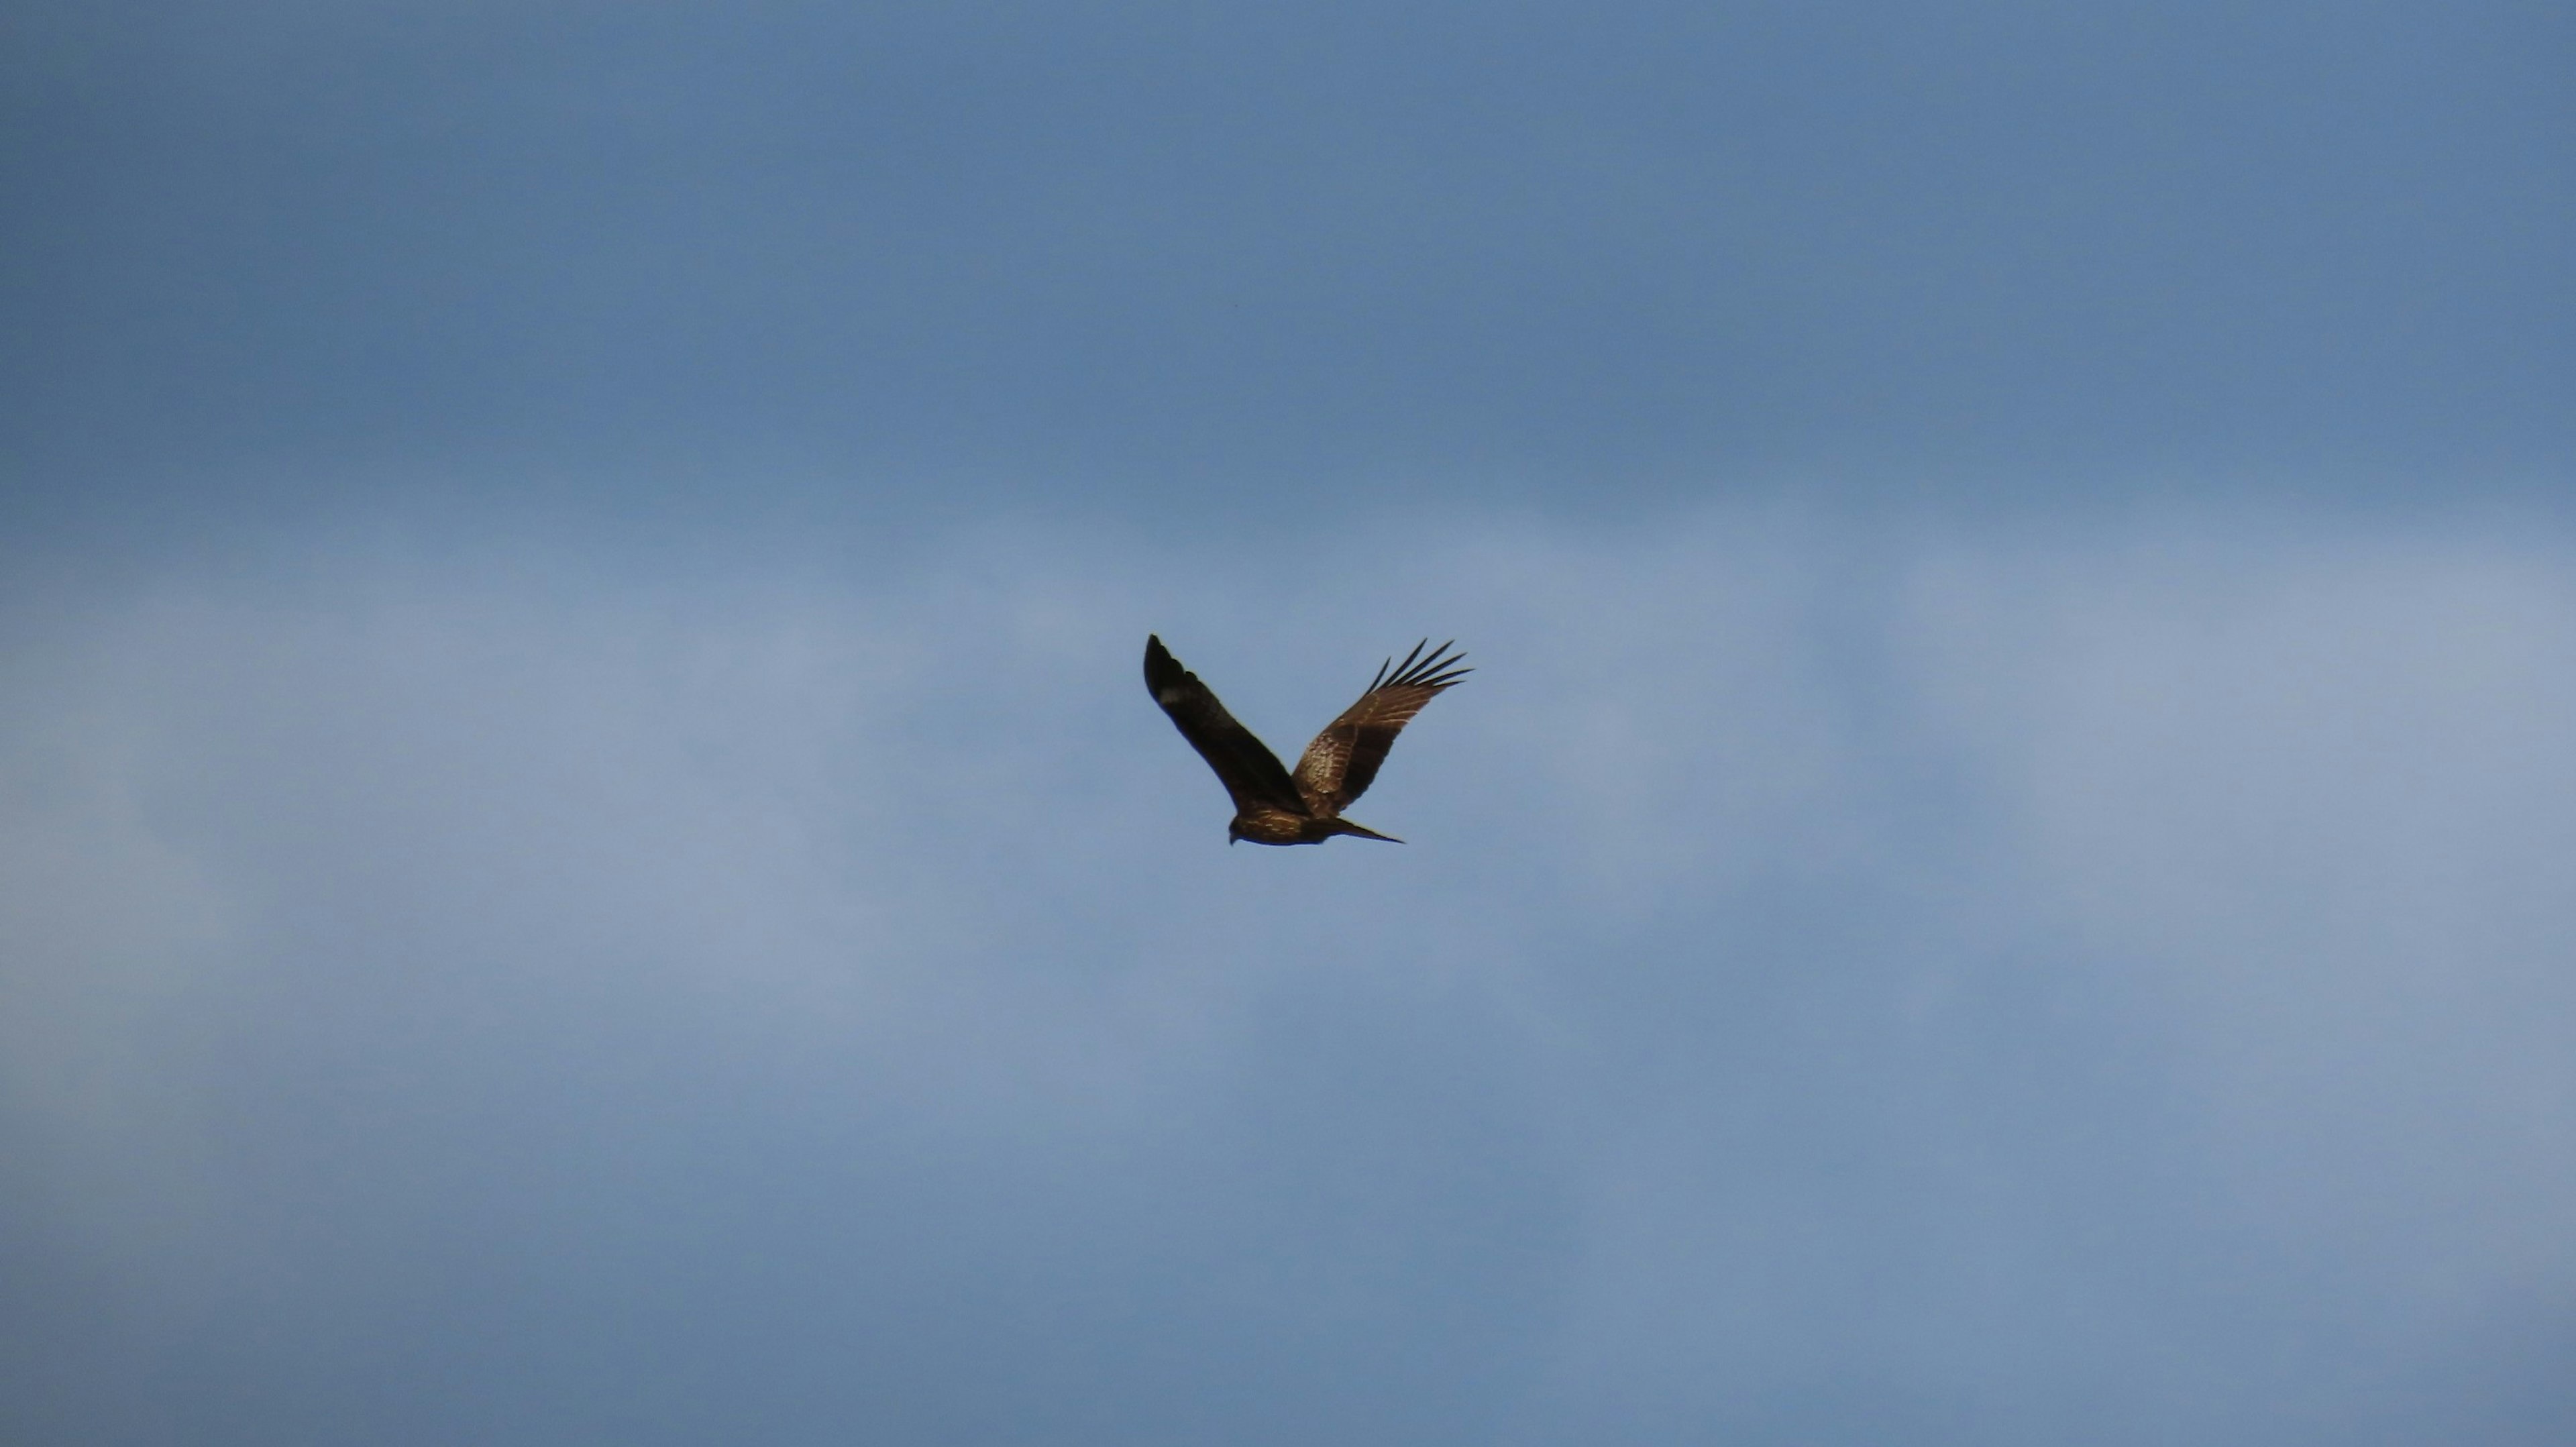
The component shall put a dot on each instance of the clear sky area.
(584, 856)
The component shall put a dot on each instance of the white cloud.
(1913, 957)
(2326, 797)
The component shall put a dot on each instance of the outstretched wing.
(1337, 767)
(1244, 764)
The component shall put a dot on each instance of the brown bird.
(1271, 806)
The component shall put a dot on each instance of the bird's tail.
(1345, 826)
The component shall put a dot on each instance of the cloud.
(2320, 790)
(1849, 980)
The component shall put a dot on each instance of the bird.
(1272, 806)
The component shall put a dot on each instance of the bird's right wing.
(1243, 763)
(1338, 766)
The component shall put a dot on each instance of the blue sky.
(583, 857)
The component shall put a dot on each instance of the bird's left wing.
(1338, 766)
(1244, 764)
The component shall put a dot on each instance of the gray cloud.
(1213, 258)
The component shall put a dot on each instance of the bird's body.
(1268, 824)
(1271, 805)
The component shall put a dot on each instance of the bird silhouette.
(1272, 806)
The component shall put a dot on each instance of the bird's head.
(1233, 832)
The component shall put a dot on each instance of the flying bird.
(1272, 806)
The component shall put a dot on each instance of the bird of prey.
(1272, 806)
